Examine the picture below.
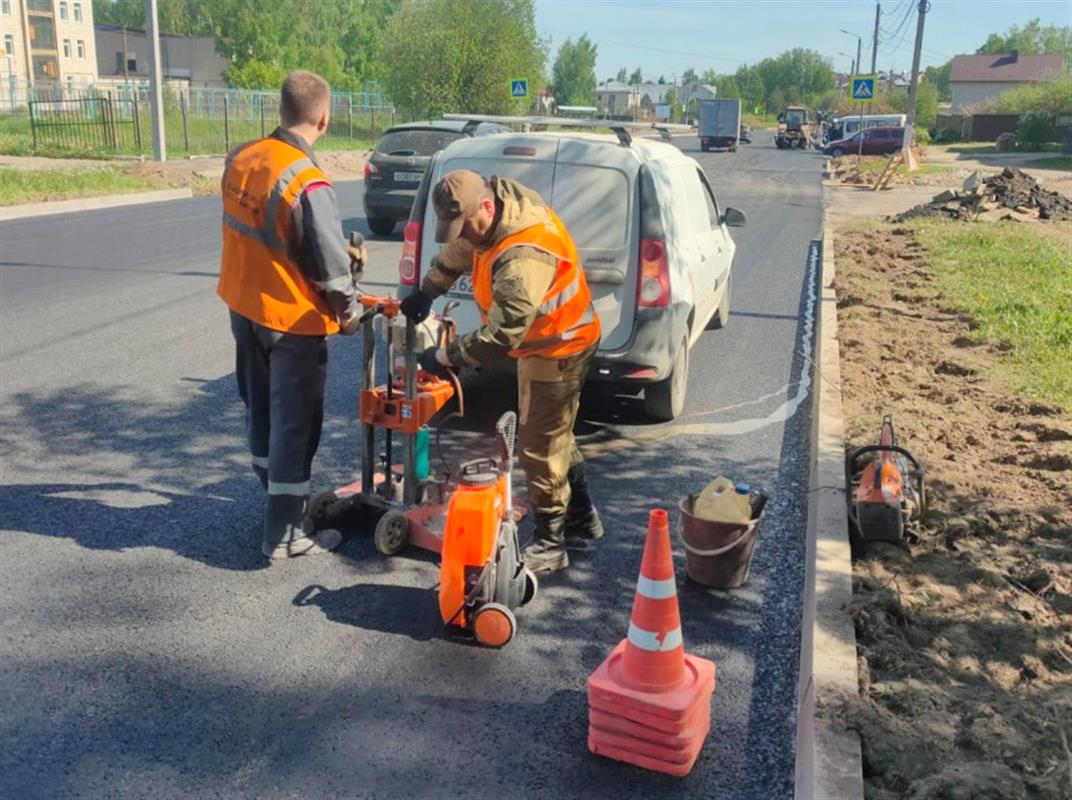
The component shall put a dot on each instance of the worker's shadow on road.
(402, 610)
(211, 526)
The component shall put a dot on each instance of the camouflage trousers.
(549, 394)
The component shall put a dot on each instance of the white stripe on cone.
(653, 589)
(654, 641)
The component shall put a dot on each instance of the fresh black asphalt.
(146, 650)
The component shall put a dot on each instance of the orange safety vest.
(259, 277)
(566, 323)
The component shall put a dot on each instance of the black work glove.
(417, 306)
(430, 364)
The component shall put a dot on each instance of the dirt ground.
(964, 636)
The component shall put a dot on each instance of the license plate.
(463, 287)
(409, 177)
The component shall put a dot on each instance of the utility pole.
(874, 40)
(156, 100)
(913, 86)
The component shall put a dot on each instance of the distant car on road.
(396, 166)
(654, 243)
(746, 133)
(876, 142)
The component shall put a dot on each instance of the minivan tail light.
(653, 283)
(408, 265)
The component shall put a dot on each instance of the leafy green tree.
(750, 85)
(573, 77)
(800, 74)
(1032, 38)
(636, 77)
(623, 75)
(926, 104)
(460, 55)
(662, 79)
(1052, 98)
(727, 86)
(939, 76)
(689, 76)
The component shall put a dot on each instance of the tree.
(750, 85)
(689, 76)
(800, 74)
(1049, 97)
(662, 79)
(939, 76)
(573, 77)
(623, 75)
(460, 55)
(727, 86)
(636, 77)
(1032, 38)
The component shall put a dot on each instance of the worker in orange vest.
(530, 287)
(285, 274)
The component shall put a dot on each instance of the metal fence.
(197, 121)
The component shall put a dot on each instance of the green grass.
(1015, 281)
(29, 186)
(988, 148)
(876, 165)
(1062, 162)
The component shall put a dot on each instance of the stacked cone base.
(661, 731)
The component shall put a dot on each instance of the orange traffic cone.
(650, 702)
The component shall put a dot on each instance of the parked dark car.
(746, 134)
(396, 166)
(877, 142)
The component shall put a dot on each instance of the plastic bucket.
(717, 554)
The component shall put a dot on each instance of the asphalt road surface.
(148, 651)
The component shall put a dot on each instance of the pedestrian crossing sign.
(863, 88)
(519, 88)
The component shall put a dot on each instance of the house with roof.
(984, 77)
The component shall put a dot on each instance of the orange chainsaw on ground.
(886, 490)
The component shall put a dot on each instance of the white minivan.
(652, 239)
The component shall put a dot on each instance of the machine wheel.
(494, 625)
(704, 148)
(531, 587)
(665, 400)
(837, 152)
(381, 226)
(392, 532)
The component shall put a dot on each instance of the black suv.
(396, 166)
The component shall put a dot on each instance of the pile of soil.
(965, 633)
(1010, 191)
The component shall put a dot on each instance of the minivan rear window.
(415, 142)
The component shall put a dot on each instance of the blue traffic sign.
(519, 88)
(863, 88)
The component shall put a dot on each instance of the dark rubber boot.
(582, 519)
(547, 551)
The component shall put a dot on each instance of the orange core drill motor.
(887, 494)
(482, 578)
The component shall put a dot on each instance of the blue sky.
(666, 37)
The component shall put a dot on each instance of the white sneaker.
(312, 545)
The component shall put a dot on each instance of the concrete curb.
(27, 210)
(829, 756)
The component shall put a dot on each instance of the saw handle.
(854, 457)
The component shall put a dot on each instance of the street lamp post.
(859, 46)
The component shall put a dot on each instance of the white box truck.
(720, 124)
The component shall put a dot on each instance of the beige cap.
(456, 198)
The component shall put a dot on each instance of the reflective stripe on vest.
(566, 322)
(259, 277)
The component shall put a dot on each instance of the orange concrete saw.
(886, 490)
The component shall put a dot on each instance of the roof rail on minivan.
(620, 128)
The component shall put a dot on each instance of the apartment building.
(47, 42)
